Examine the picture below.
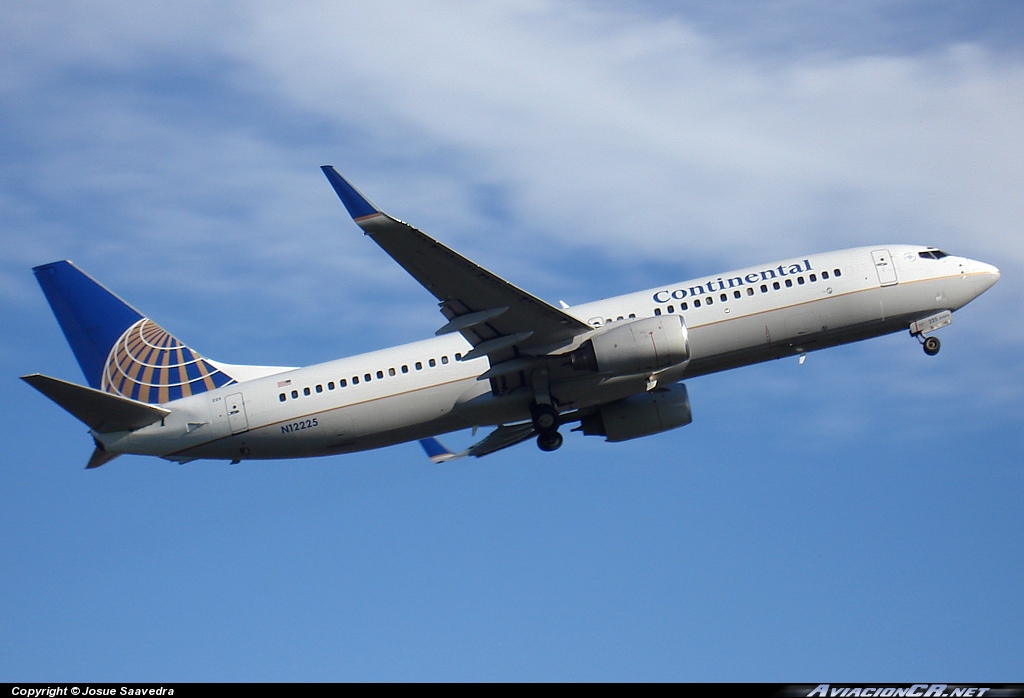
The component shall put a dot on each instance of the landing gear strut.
(545, 418)
(918, 328)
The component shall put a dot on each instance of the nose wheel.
(931, 345)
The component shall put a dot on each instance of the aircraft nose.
(991, 274)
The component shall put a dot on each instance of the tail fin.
(121, 351)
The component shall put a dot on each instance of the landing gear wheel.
(549, 441)
(545, 418)
(932, 346)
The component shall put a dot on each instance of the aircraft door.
(884, 267)
(235, 406)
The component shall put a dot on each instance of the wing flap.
(101, 412)
(502, 437)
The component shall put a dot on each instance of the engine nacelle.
(641, 415)
(641, 346)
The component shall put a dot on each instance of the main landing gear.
(549, 441)
(546, 423)
(931, 345)
(545, 417)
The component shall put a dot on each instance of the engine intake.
(642, 346)
(641, 415)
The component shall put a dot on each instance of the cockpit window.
(932, 254)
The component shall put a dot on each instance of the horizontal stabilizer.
(101, 412)
(100, 457)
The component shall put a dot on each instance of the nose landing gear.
(930, 324)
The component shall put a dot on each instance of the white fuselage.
(423, 389)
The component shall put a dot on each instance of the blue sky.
(855, 516)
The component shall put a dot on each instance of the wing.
(502, 437)
(500, 320)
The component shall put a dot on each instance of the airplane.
(504, 359)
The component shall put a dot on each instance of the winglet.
(358, 205)
(436, 451)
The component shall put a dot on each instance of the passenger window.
(724, 297)
(764, 288)
(736, 294)
(295, 394)
(419, 365)
(671, 309)
(432, 363)
(444, 359)
(367, 377)
(750, 290)
(330, 385)
(813, 278)
(282, 397)
(319, 388)
(342, 383)
(800, 280)
(355, 380)
(632, 316)
(458, 357)
(696, 302)
(824, 274)
(305, 391)
(775, 285)
(709, 301)
(405, 368)
(683, 306)
(391, 371)
(789, 283)
(837, 272)
(657, 311)
(380, 375)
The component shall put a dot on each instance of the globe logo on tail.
(149, 365)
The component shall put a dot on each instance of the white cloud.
(191, 135)
(593, 120)
(613, 123)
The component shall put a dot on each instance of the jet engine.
(642, 346)
(641, 415)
